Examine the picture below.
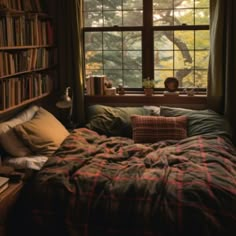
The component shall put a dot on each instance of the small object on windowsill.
(189, 92)
(171, 84)
(121, 90)
(110, 91)
(167, 93)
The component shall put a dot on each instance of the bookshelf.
(28, 55)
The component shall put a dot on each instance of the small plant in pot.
(148, 86)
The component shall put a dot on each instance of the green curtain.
(70, 53)
(222, 66)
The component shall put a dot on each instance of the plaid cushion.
(150, 129)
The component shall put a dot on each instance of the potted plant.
(148, 86)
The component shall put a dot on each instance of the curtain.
(70, 53)
(222, 66)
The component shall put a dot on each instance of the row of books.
(16, 90)
(21, 30)
(24, 5)
(4, 183)
(12, 62)
(95, 85)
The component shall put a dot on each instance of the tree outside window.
(129, 40)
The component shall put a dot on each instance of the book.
(4, 181)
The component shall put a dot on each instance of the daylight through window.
(128, 40)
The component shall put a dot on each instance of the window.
(128, 40)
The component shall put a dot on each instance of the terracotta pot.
(148, 91)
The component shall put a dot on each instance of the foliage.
(148, 83)
(118, 54)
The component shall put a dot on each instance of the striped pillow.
(150, 129)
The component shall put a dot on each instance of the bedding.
(113, 183)
(97, 185)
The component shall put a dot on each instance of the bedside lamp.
(65, 105)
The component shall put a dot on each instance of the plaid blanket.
(95, 185)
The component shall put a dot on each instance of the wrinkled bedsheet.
(95, 185)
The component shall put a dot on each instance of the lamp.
(64, 104)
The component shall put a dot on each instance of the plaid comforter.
(95, 185)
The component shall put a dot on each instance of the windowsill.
(198, 101)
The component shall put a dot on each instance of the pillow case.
(8, 139)
(200, 121)
(43, 134)
(112, 121)
(151, 129)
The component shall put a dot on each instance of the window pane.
(202, 17)
(201, 3)
(112, 4)
(184, 4)
(162, 17)
(93, 60)
(183, 17)
(115, 38)
(132, 78)
(163, 40)
(201, 78)
(132, 60)
(201, 59)
(93, 19)
(112, 18)
(184, 40)
(202, 39)
(161, 75)
(92, 5)
(94, 72)
(188, 81)
(132, 41)
(167, 4)
(93, 41)
(183, 59)
(115, 76)
(133, 18)
(134, 4)
(164, 59)
(112, 59)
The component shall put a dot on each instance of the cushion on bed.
(113, 121)
(43, 134)
(8, 139)
(151, 129)
(200, 121)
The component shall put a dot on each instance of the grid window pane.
(112, 59)
(134, 4)
(132, 18)
(167, 4)
(132, 40)
(93, 41)
(163, 40)
(178, 43)
(132, 78)
(202, 39)
(115, 38)
(184, 40)
(183, 59)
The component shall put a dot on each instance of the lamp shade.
(65, 101)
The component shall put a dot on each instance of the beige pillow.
(43, 134)
(8, 139)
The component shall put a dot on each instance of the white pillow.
(9, 140)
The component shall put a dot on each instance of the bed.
(159, 171)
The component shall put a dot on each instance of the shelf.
(23, 103)
(197, 101)
(7, 48)
(26, 72)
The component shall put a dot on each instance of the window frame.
(147, 32)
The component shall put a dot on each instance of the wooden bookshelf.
(28, 55)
